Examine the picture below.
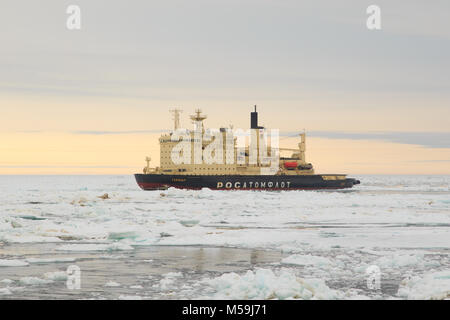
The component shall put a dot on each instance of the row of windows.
(181, 153)
(217, 169)
(191, 140)
(213, 168)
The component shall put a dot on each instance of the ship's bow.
(150, 181)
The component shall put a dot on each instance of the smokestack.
(254, 119)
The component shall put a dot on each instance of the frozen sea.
(181, 244)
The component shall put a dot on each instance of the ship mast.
(198, 118)
(302, 147)
(176, 118)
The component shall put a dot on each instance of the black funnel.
(254, 119)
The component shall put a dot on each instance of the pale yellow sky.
(52, 141)
(314, 111)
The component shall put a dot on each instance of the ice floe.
(49, 260)
(266, 284)
(34, 281)
(12, 263)
(307, 259)
(169, 280)
(6, 281)
(112, 284)
(56, 275)
(125, 297)
(136, 287)
(433, 286)
(5, 291)
(115, 246)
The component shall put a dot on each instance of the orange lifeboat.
(290, 165)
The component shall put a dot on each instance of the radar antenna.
(197, 119)
(198, 115)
